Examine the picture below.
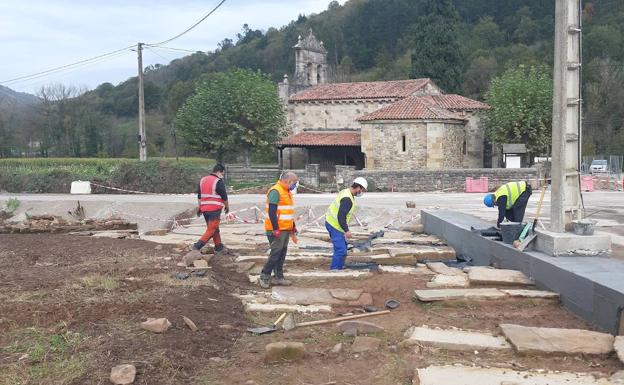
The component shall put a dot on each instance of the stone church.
(385, 125)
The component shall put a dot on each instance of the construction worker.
(511, 199)
(279, 225)
(337, 220)
(211, 200)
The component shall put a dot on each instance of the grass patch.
(43, 357)
(100, 282)
(242, 185)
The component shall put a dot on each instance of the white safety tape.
(137, 192)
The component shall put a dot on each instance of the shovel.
(267, 329)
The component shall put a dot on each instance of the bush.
(54, 175)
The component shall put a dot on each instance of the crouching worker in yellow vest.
(279, 225)
(511, 199)
(337, 220)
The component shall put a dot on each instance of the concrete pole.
(142, 138)
(565, 196)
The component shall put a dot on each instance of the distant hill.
(9, 97)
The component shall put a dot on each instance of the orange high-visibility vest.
(209, 199)
(285, 209)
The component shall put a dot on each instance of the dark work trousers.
(279, 248)
(516, 212)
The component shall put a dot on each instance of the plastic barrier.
(587, 183)
(474, 185)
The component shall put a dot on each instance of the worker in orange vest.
(279, 226)
(211, 201)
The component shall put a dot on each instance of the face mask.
(293, 186)
(359, 194)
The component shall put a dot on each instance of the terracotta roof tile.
(413, 108)
(361, 90)
(456, 102)
(318, 138)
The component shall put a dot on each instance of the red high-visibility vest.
(209, 199)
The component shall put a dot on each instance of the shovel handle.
(332, 320)
(279, 319)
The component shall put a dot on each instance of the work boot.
(221, 250)
(191, 257)
(264, 282)
(280, 281)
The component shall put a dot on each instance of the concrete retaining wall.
(310, 176)
(591, 287)
(432, 180)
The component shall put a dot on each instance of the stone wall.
(453, 145)
(331, 115)
(309, 176)
(433, 180)
(382, 143)
(474, 143)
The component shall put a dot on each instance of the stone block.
(618, 345)
(486, 276)
(365, 344)
(568, 244)
(362, 327)
(284, 352)
(419, 270)
(459, 294)
(440, 281)
(455, 339)
(311, 296)
(536, 294)
(156, 325)
(346, 294)
(423, 253)
(552, 340)
(123, 374)
(286, 308)
(441, 268)
(437, 375)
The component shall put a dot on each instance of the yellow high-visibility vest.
(332, 212)
(285, 209)
(512, 191)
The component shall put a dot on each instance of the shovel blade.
(262, 330)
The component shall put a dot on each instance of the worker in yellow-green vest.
(511, 199)
(337, 220)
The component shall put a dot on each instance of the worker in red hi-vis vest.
(211, 201)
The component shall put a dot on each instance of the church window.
(403, 143)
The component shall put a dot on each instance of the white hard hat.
(362, 182)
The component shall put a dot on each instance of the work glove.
(227, 209)
(276, 233)
(295, 231)
(199, 212)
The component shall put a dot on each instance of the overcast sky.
(36, 35)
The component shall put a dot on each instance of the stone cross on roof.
(310, 43)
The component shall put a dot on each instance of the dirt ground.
(70, 308)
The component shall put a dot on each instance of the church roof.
(392, 89)
(454, 102)
(321, 139)
(413, 108)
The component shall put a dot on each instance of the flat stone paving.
(455, 339)
(526, 339)
(462, 375)
(487, 276)
(441, 268)
(315, 296)
(286, 308)
(455, 294)
(440, 281)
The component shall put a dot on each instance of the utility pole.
(567, 103)
(142, 138)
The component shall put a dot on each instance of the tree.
(437, 54)
(521, 108)
(232, 111)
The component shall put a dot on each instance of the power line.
(66, 66)
(152, 50)
(191, 27)
(177, 49)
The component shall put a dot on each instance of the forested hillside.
(461, 44)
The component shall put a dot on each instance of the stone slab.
(458, 294)
(537, 294)
(463, 375)
(442, 281)
(311, 296)
(441, 268)
(455, 339)
(405, 270)
(320, 274)
(424, 253)
(591, 287)
(552, 340)
(618, 345)
(486, 276)
(286, 308)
